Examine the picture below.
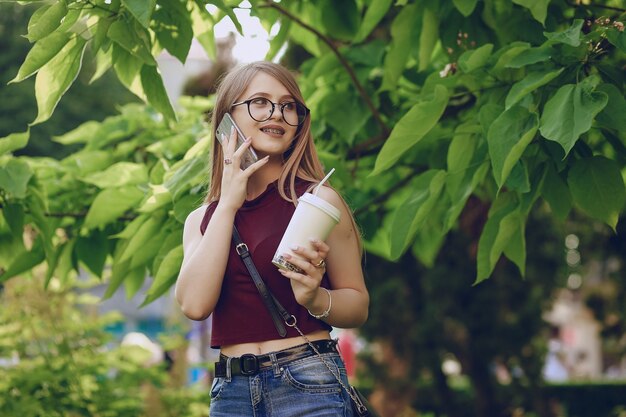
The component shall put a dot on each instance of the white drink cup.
(314, 217)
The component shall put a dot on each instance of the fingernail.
(232, 130)
(295, 247)
(282, 271)
(286, 256)
(314, 240)
(248, 139)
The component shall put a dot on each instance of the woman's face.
(272, 136)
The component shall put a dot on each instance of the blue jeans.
(302, 387)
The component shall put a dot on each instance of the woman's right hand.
(234, 179)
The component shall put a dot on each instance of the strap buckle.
(241, 249)
(248, 364)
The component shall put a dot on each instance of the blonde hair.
(301, 158)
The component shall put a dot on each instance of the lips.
(273, 129)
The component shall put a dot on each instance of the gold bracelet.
(327, 312)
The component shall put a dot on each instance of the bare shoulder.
(331, 196)
(194, 219)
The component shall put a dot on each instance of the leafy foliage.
(56, 364)
(418, 105)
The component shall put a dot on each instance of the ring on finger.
(228, 161)
(321, 264)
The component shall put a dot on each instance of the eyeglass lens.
(261, 109)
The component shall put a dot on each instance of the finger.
(256, 166)
(244, 146)
(232, 141)
(302, 279)
(304, 264)
(321, 247)
(312, 255)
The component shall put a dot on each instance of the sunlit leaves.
(13, 142)
(56, 77)
(141, 10)
(45, 20)
(173, 28)
(569, 113)
(413, 126)
(42, 52)
(530, 83)
(474, 59)
(598, 188)
(14, 177)
(110, 204)
(152, 84)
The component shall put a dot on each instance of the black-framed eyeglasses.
(261, 109)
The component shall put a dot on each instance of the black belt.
(249, 364)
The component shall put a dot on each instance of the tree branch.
(342, 60)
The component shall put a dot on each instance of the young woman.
(261, 373)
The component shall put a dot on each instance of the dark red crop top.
(240, 315)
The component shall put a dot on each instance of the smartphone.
(224, 129)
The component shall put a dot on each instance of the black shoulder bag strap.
(360, 405)
(280, 316)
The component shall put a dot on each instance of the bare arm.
(205, 256)
(350, 299)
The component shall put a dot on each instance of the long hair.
(301, 158)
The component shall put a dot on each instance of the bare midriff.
(260, 348)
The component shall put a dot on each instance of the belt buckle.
(244, 364)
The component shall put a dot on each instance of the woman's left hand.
(312, 262)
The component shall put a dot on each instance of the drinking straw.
(323, 181)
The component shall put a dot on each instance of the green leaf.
(374, 14)
(538, 8)
(460, 154)
(159, 197)
(110, 204)
(45, 20)
(185, 205)
(14, 141)
(614, 114)
(403, 29)
(25, 261)
(141, 10)
(515, 249)
(118, 175)
(475, 59)
(556, 193)
(501, 226)
(14, 216)
(348, 124)
(415, 210)
(40, 54)
(340, 18)
(155, 91)
(147, 231)
(133, 281)
(166, 274)
(411, 128)
(530, 83)
(127, 68)
(598, 188)
(174, 238)
(202, 25)
(123, 35)
(145, 254)
(184, 175)
(617, 38)
(230, 13)
(104, 61)
(466, 7)
(92, 251)
(570, 36)
(569, 113)
(508, 137)
(119, 272)
(56, 77)
(173, 28)
(429, 36)
(529, 56)
(82, 134)
(14, 177)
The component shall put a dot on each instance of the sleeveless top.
(240, 315)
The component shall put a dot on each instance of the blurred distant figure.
(554, 369)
